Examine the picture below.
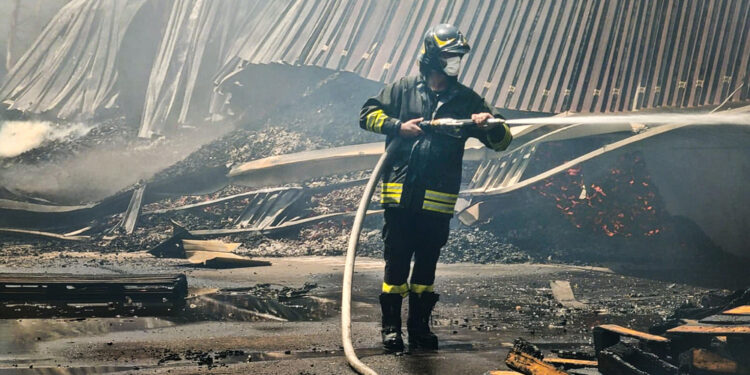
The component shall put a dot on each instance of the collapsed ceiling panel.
(71, 69)
(197, 42)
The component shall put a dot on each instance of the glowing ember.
(622, 203)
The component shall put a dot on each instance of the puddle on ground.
(228, 357)
(245, 305)
(19, 337)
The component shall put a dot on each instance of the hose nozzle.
(441, 122)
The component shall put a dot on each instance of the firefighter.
(420, 185)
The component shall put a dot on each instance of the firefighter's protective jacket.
(425, 172)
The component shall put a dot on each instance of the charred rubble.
(626, 216)
(710, 336)
(313, 122)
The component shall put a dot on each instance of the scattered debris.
(193, 246)
(691, 347)
(627, 359)
(269, 209)
(262, 302)
(528, 359)
(564, 294)
(217, 254)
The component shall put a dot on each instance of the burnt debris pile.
(204, 114)
(712, 337)
(617, 217)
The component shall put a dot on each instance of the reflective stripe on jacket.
(425, 172)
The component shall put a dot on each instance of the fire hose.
(450, 127)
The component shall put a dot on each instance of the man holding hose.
(421, 183)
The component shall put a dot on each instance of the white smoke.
(17, 137)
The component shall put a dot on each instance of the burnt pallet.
(626, 359)
(710, 362)
(607, 335)
(527, 359)
(68, 295)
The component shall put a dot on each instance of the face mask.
(451, 65)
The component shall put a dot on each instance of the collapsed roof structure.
(71, 70)
(191, 62)
(582, 56)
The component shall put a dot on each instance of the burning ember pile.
(623, 203)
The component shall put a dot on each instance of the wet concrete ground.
(233, 325)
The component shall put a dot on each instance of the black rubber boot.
(390, 305)
(418, 324)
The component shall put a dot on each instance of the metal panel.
(551, 56)
(70, 70)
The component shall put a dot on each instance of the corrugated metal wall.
(532, 55)
(543, 55)
(70, 71)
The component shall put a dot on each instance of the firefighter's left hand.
(481, 120)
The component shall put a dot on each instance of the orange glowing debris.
(598, 189)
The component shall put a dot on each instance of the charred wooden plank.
(736, 339)
(625, 359)
(722, 319)
(68, 295)
(527, 359)
(570, 363)
(739, 310)
(706, 330)
(623, 331)
(607, 335)
(529, 365)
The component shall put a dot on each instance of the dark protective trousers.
(406, 234)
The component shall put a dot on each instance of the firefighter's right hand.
(410, 129)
